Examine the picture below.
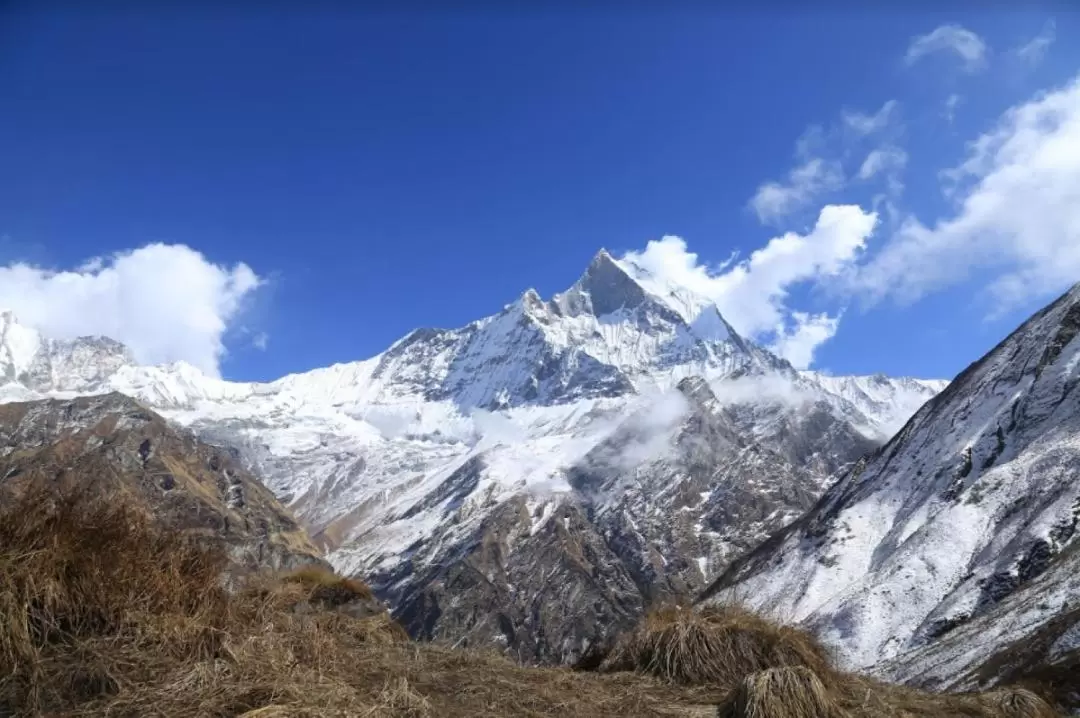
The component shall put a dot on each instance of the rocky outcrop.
(649, 513)
(113, 445)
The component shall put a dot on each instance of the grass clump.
(1017, 703)
(793, 692)
(715, 645)
(327, 587)
(766, 670)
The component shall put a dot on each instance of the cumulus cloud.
(752, 293)
(775, 200)
(1017, 213)
(165, 302)
(1032, 52)
(799, 342)
(964, 43)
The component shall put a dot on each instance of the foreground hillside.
(103, 612)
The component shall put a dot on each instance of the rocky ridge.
(949, 556)
(615, 445)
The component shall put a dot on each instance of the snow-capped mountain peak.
(604, 289)
(401, 460)
(47, 365)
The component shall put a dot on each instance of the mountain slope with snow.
(967, 511)
(436, 467)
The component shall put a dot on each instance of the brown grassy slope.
(102, 612)
(119, 447)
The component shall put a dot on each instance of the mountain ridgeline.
(950, 557)
(535, 479)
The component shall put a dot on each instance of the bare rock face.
(549, 578)
(114, 445)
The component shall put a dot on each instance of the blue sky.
(375, 172)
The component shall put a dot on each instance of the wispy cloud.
(863, 124)
(1017, 217)
(964, 43)
(752, 294)
(774, 201)
(165, 302)
(1032, 52)
(820, 154)
(798, 340)
(951, 103)
(888, 161)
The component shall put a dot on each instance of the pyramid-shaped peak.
(602, 257)
(608, 287)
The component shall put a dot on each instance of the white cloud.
(752, 294)
(863, 124)
(757, 389)
(951, 103)
(1033, 51)
(799, 343)
(165, 302)
(889, 161)
(883, 159)
(775, 200)
(950, 38)
(1017, 216)
(821, 153)
(260, 341)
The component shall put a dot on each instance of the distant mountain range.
(538, 477)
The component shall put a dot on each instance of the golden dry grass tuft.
(1017, 703)
(767, 670)
(327, 587)
(794, 692)
(714, 645)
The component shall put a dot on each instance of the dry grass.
(765, 670)
(327, 587)
(794, 692)
(103, 613)
(712, 646)
(1017, 703)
